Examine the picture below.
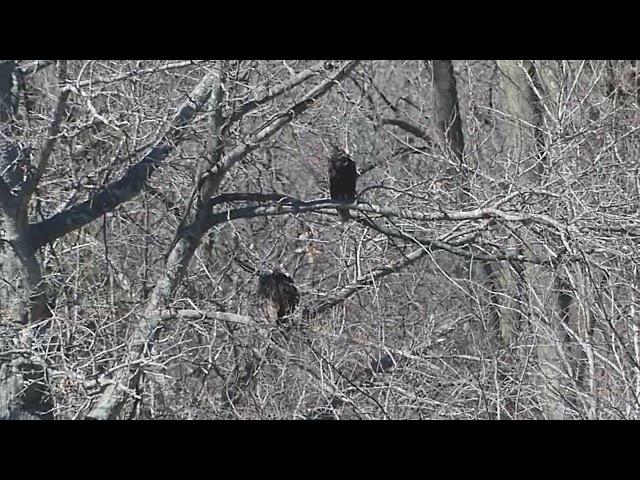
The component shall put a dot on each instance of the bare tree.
(489, 271)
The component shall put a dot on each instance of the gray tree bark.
(22, 294)
(447, 111)
(449, 125)
(22, 291)
(519, 125)
(545, 302)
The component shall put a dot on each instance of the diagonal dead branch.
(131, 183)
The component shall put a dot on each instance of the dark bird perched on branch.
(281, 294)
(342, 179)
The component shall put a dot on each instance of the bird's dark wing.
(334, 179)
(351, 177)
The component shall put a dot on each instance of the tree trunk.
(22, 295)
(446, 108)
(449, 125)
(547, 304)
(518, 108)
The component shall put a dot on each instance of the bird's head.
(341, 155)
(340, 149)
(263, 274)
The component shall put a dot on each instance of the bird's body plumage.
(281, 293)
(342, 179)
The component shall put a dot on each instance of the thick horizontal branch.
(250, 197)
(289, 205)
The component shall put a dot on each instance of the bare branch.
(250, 197)
(31, 183)
(138, 73)
(132, 183)
(279, 121)
(265, 95)
(293, 206)
(35, 66)
(368, 278)
(409, 128)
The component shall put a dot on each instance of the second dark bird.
(282, 296)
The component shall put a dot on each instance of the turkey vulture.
(281, 294)
(342, 179)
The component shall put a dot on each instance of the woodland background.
(490, 271)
